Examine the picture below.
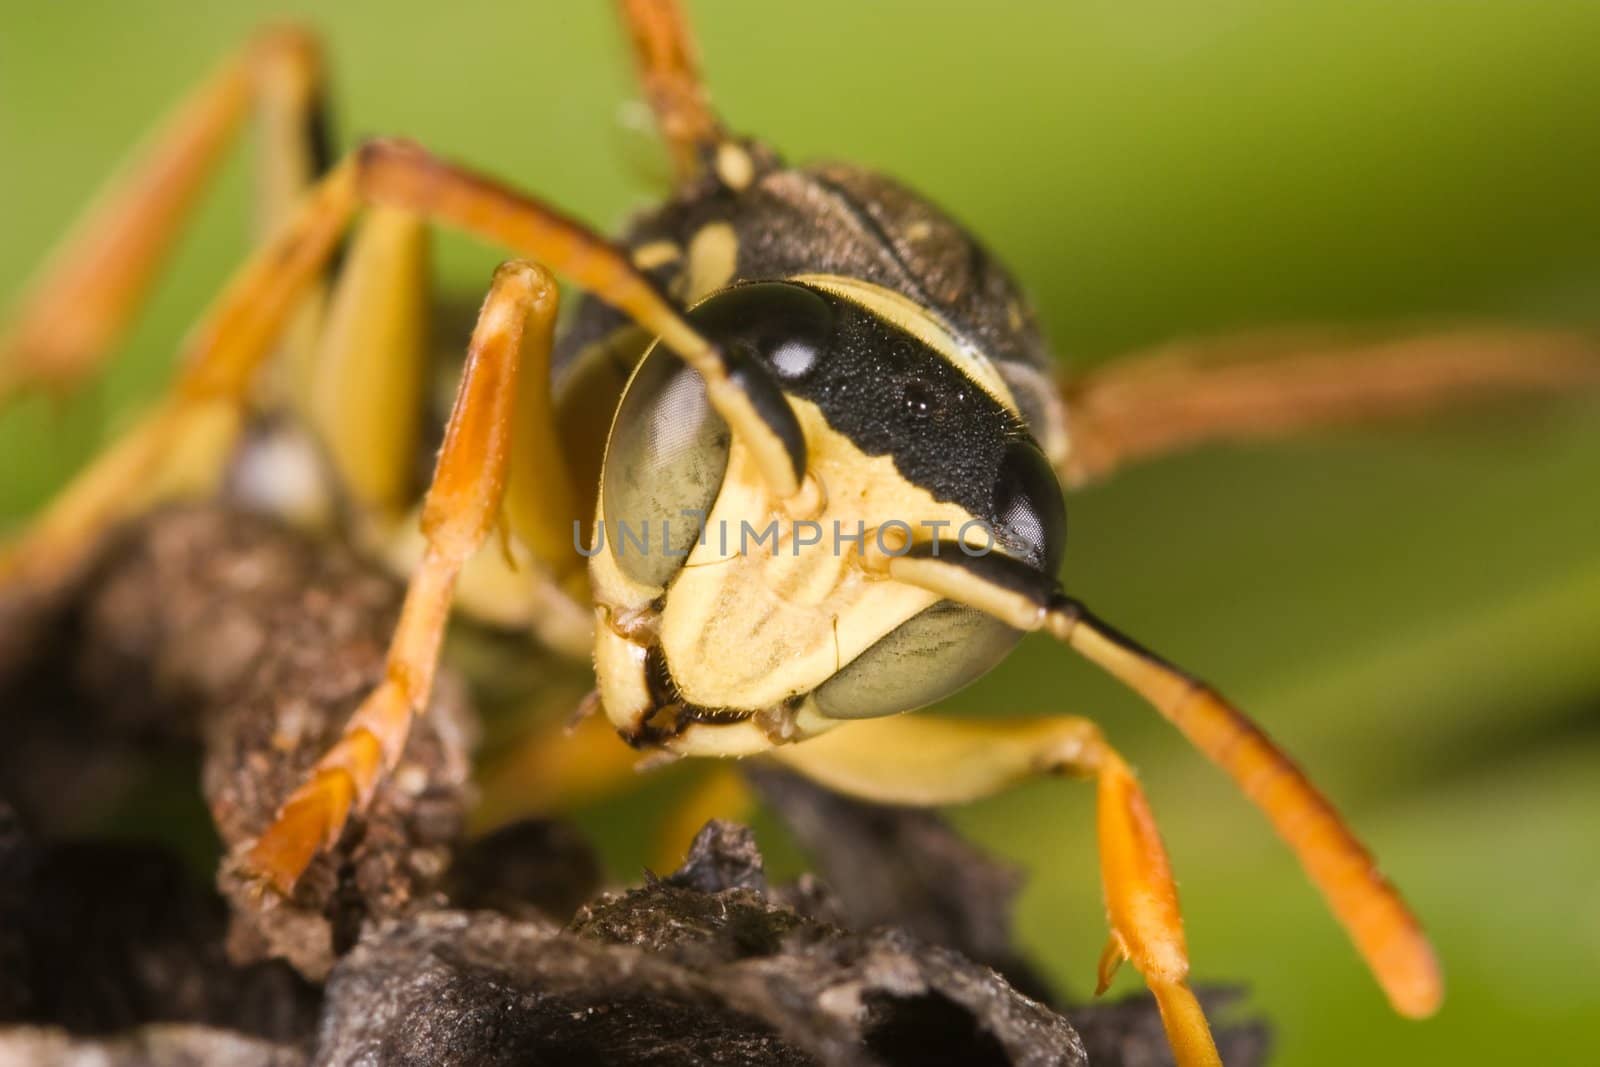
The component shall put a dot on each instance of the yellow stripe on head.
(916, 320)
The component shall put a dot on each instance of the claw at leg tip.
(1111, 958)
(275, 861)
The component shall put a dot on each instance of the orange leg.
(555, 766)
(404, 176)
(84, 298)
(1378, 921)
(221, 359)
(462, 505)
(664, 55)
(1383, 928)
(561, 765)
(929, 761)
(225, 352)
(1145, 407)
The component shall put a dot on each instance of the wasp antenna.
(405, 176)
(1385, 932)
(1378, 920)
(668, 64)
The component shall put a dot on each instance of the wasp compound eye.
(943, 648)
(923, 660)
(664, 464)
(668, 452)
(784, 327)
(1030, 516)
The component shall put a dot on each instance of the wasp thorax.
(758, 605)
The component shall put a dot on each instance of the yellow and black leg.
(925, 761)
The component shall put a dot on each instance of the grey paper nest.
(206, 636)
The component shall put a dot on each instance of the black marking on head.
(891, 394)
(673, 714)
(834, 218)
(885, 390)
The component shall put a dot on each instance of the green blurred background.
(1415, 611)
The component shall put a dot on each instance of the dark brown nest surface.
(206, 643)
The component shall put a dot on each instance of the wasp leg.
(668, 68)
(168, 451)
(233, 339)
(361, 393)
(562, 765)
(369, 380)
(929, 761)
(404, 176)
(83, 299)
(1385, 932)
(555, 766)
(1147, 406)
(462, 505)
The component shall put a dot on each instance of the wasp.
(794, 466)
